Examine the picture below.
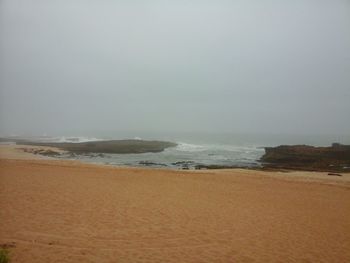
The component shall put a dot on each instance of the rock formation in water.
(304, 157)
(111, 146)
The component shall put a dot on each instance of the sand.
(66, 211)
(16, 151)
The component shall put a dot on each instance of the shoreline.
(18, 153)
(29, 152)
(35, 152)
(334, 159)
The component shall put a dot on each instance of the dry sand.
(64, 211)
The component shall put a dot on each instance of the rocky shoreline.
(335, 158)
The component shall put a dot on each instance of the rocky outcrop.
(113, 146)
(333, 158)
(45, 152)
(152, 164)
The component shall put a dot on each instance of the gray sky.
(213, 66)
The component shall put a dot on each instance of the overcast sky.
(213, 66)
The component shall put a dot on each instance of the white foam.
(187, 147)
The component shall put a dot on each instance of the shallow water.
(184, 156)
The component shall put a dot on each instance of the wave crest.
(187, 147)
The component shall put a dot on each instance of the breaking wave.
(187, 147)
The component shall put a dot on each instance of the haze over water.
(237, 73)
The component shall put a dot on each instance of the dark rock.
(334, 174)
(305, 157)
(215, 166)
(185, 165)
(49, 153)
(44, 152)
(183, 162)
(148, 163)
(113, 146)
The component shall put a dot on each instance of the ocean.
(194, 149)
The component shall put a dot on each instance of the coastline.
(153, 154)
(69, 211)
(334, 159)
(26, 152)
(34, 154)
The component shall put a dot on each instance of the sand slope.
(58, 211)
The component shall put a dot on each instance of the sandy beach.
(66, 211)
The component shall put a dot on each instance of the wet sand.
(65, 211)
